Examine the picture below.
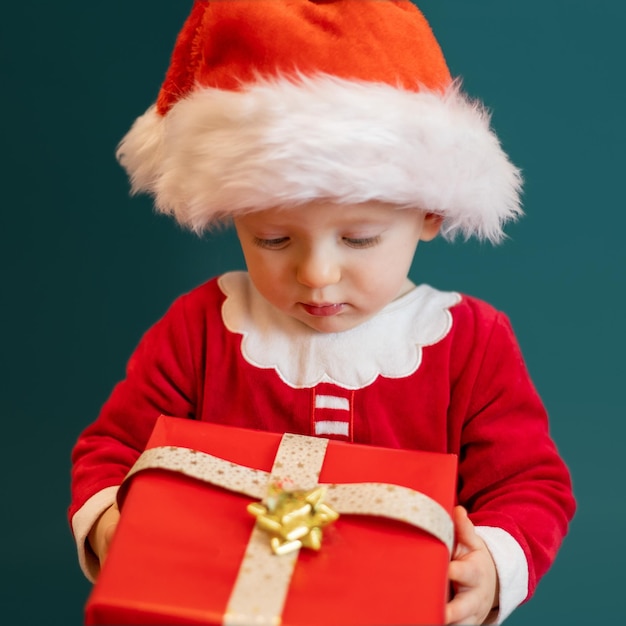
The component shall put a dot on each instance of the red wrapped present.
(195, 546)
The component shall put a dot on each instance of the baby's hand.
(102, 532)
(472, 573)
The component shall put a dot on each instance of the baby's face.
(332, 266)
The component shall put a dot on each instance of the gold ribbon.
(261, 587)
(296, 468)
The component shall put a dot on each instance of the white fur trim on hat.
(281, 142)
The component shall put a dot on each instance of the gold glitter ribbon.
(262, 584)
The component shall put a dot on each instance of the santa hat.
(276, 103)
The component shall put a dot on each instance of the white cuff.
(512, 569)
(82, 523)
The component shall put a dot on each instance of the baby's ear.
(431, 227)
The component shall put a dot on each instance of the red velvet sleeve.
(511, 474)
(160, 379)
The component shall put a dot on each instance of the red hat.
(279, 102)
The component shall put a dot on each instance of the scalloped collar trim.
(389, 344)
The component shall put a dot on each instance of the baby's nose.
(318, 269)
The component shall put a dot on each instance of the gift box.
(192, 548)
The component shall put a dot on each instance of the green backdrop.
(86, 269)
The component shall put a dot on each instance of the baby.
(332, 136)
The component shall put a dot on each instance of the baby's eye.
(362, 242)
(274, 243)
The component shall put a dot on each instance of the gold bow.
(294, 519)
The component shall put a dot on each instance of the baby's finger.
(109, 522)
(464, 573)
(462, 609)
(466, 537)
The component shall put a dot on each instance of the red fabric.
(225, 44)
(471, 396)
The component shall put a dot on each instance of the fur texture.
(282, 142)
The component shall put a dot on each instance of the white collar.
(389, 344)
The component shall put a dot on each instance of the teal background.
(86, 269)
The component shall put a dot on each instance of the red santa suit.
(432, 371)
